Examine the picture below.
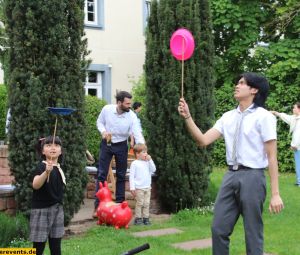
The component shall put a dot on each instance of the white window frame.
(98, 23)
(94, 85)
(146, 12)
(148, 8)
(94, 22)
(105, 71)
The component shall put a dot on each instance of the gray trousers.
(243, 193)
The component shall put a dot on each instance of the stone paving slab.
(157, 232)
(196, 244)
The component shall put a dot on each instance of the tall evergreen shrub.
(183, 169)
(46, 67)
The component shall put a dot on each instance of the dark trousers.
(243, 193)
(120, 151)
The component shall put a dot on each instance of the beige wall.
(121, 43)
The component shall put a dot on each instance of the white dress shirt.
(257, 127)
(294, 122)
(7, 121)
(120, 125)
(139, 122)
(140, 174)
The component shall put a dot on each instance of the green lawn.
(281, 231)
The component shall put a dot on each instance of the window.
(98, 81)
(93, 84)
(90, 10)
(94, 14)
(148, 8)
(92, 92)
(146, 11)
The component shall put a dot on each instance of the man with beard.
(116, 123)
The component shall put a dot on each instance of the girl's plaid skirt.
(46, 222)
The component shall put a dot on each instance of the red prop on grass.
(110, 213)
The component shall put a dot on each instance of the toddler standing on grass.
(141, 171)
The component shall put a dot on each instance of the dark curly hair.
(136, 105)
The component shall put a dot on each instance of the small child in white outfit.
(141, 171)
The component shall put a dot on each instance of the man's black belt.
(116, 143)
(242, 167)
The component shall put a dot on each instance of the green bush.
(3, 110)
(93, 108)
(139, 95)
(20, 243)
(282, 65)
(12, 229)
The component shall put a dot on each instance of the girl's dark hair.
(259, 82)
(49, 140)
(298, 104)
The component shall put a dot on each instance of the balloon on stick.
(182, 46)
(58, 111)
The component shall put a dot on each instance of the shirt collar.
(251, 108)
(115, 109)
(116, 112)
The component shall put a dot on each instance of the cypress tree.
(182, 168)
(46, 67)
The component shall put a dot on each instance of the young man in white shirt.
(250, 136)
(116, 123)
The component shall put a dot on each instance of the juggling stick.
(182, 47)
(182, 67)
(58, 111)
(54, 133)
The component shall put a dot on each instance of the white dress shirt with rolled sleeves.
(120, 125)
(294, 122)
(140, 174)
(258, 127)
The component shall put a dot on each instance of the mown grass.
(281, 231)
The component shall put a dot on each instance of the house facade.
(115, 30)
